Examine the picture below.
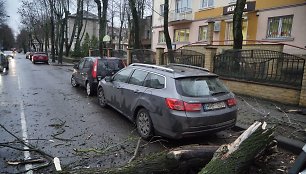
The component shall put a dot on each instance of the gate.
(183, 56)
(143, 56)
(262, 66)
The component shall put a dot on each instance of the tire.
(89, 89)
(33, 62)
(73, 82)
(144, 124)
(101, 98)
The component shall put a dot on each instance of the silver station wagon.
(174, 101)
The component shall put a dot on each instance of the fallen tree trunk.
(228, 159)
(236, 157)
(179, 160)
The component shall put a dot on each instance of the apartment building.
(263, 20)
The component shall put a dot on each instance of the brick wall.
(282, 95)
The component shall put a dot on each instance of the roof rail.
(188, 66)
(153, 66)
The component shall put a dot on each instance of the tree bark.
(136, 40)
(237, 24)
(51, 2)
(237, 157)
(166, 32)
(177, 161)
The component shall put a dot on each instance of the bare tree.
(3, 14)
(166, 31)
(136, 37)
(102, 21)
(237, 24)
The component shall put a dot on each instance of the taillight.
(94, 69)
(231, 102)
(190, 107)
(175, 104)
(180, 105)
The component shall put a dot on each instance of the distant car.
(90, 70)
(9, 54)
(27, 55)
(4, 62)
(40, 57)
(175, 101)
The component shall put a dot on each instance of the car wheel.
(33, 62)
(144, 124)
(101, 97)
(73, 82)
(89, 89)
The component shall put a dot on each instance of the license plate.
(214, 106)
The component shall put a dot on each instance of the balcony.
(180, 16)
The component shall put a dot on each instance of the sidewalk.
(290, 121)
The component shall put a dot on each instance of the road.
(38, 105)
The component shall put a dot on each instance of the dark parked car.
(90, 70)
(175, 101)
(40, 57)
(4, 62)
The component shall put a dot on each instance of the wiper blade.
(219, 92)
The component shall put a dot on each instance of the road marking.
(24, 134)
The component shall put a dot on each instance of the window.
(279, 27)
(207, 3)
(138, 77)
(232, 1)
(199, 86)
(161, 37)
(123, 75)
(202, 33)
(162, 12)
(181, 35)
(81, 63)
(229, 31)
(87, 63)
(155, 81)
(183, 6)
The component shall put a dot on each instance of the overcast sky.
(14, 19)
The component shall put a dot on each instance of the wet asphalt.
(38, 104)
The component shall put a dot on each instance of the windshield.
(110, 64)
(200, 86)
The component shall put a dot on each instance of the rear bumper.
(181, 126)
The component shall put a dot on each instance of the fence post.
(159, 56)
(89, 52)
(302, 101)
(210, 32)
(109, 52)
(209, 58)
(129, 56)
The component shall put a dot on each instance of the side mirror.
(108, 78)
(76, 66)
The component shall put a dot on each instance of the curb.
(289, 144)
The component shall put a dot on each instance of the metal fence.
(119, 53)
(187, 57)
(263, 66)
(143, 56)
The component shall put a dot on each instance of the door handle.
(136, 91)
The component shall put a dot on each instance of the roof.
(177, 70)
(86, 15)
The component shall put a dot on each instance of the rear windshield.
(200, 86)
(110, 64)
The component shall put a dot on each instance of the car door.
(77, 74)
(133, 91)
(86, 71)
(113, 92)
